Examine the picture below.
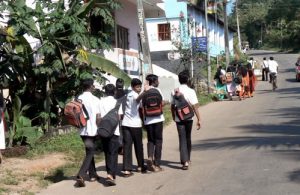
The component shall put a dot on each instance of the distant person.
(2, 126)
(154, 127)
(298, 61)
(252, 80)
(252, 62)
(265, 69)
(88, 133)
(111, 144)
(132, 130)
(184, 128)
(220, 79)
(273, 68)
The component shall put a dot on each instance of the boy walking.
(88, 133)
(110, 144)
(132, 130)
(184, 127)
(154, 127)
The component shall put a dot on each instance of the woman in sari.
(243, 90)
(252, 80)
(220, 83)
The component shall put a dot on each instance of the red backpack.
(74, 113)
(152, 103)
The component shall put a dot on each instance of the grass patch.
(9, 179)
(3, 190)
(72, 146)
(205, 98)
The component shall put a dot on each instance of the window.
(164, 32)
(122, 37)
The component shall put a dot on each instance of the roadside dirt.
(20, 176)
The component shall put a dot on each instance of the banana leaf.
(106, 65)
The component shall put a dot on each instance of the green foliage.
(70, 144)
(273, 22)
(21, 127)
(50, 74)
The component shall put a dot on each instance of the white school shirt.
(273, 65)
(189, 95)
(155, 119)
(131, 113)
(92, 105)
(106, 104)
(265, 64)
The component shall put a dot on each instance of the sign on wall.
(199, 44)
(129, 62)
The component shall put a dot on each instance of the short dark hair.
(87, 84)
(135, 82)
(151, 78)
(251, 58)
(110, 89)
(119, 83)
(271, 58)
(264, 58)
(183, 77)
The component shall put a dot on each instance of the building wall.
(196, 28)
(127, 17)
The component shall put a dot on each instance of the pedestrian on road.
(252, 80)
(265, 69)
(88, 133)
(184, 128)
(273, 68)
(110, 144)
(154, 127)
(132, 130)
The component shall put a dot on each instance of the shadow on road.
(275, 136)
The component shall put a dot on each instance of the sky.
(230, 6)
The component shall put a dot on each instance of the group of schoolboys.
(130, 128)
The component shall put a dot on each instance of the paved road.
(248, 147)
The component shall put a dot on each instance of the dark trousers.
(135, 136)
(185, 143)
(265, 72)
(110, 148)
(155, 140)
(88, 163)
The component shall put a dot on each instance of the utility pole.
(238, 25)
(207, 51)
(146, 61)
(226, 34)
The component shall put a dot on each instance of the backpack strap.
(83, 108)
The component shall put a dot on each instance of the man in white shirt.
(273, 68)
(132, 130)
(184, 128)
(89, 132)
(111, 144)
(252, 62)
(265, 69)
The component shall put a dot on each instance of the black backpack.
(110, 121)
(184, 111)
(152, 103)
